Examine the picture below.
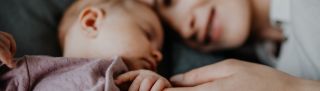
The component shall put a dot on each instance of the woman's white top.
(300, 53)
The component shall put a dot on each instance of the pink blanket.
(43, 73)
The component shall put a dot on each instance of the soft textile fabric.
(43, 73)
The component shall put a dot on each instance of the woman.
(210, 25)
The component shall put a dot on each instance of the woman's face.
(208, 25)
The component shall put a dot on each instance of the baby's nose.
(157, 55)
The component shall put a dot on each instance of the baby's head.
(108, 28)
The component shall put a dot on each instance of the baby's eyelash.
(149, 35)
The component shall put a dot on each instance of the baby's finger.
(7, 49)
(136, 84)
(126, 77)
(10, 42)
(147, 84)
(160, 85)
(5, 57)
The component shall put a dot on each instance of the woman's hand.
(235, 75)
(143, 80)
(7, 49)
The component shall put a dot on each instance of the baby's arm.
(143, 80)
(7, 49)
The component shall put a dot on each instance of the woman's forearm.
(309, 85)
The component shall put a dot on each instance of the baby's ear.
(90, 18)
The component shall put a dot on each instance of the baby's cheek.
(134, 64)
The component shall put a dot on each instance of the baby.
(109, 28)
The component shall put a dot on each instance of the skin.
(106, 31)
(143, 80)
(7, 49)
(237, 75)
(233, 21)
(212, 25)
(132, 31)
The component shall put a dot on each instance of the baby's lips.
(150, 64)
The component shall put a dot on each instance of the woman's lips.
(213, 29)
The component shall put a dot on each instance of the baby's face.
(133, 33)
(208, 24)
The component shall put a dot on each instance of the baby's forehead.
(136, 10)
(131, 5)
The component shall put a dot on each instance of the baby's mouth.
(150, 64)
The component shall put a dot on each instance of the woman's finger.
(206, 74)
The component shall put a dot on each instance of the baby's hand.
(143, 80)
(7, 49)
